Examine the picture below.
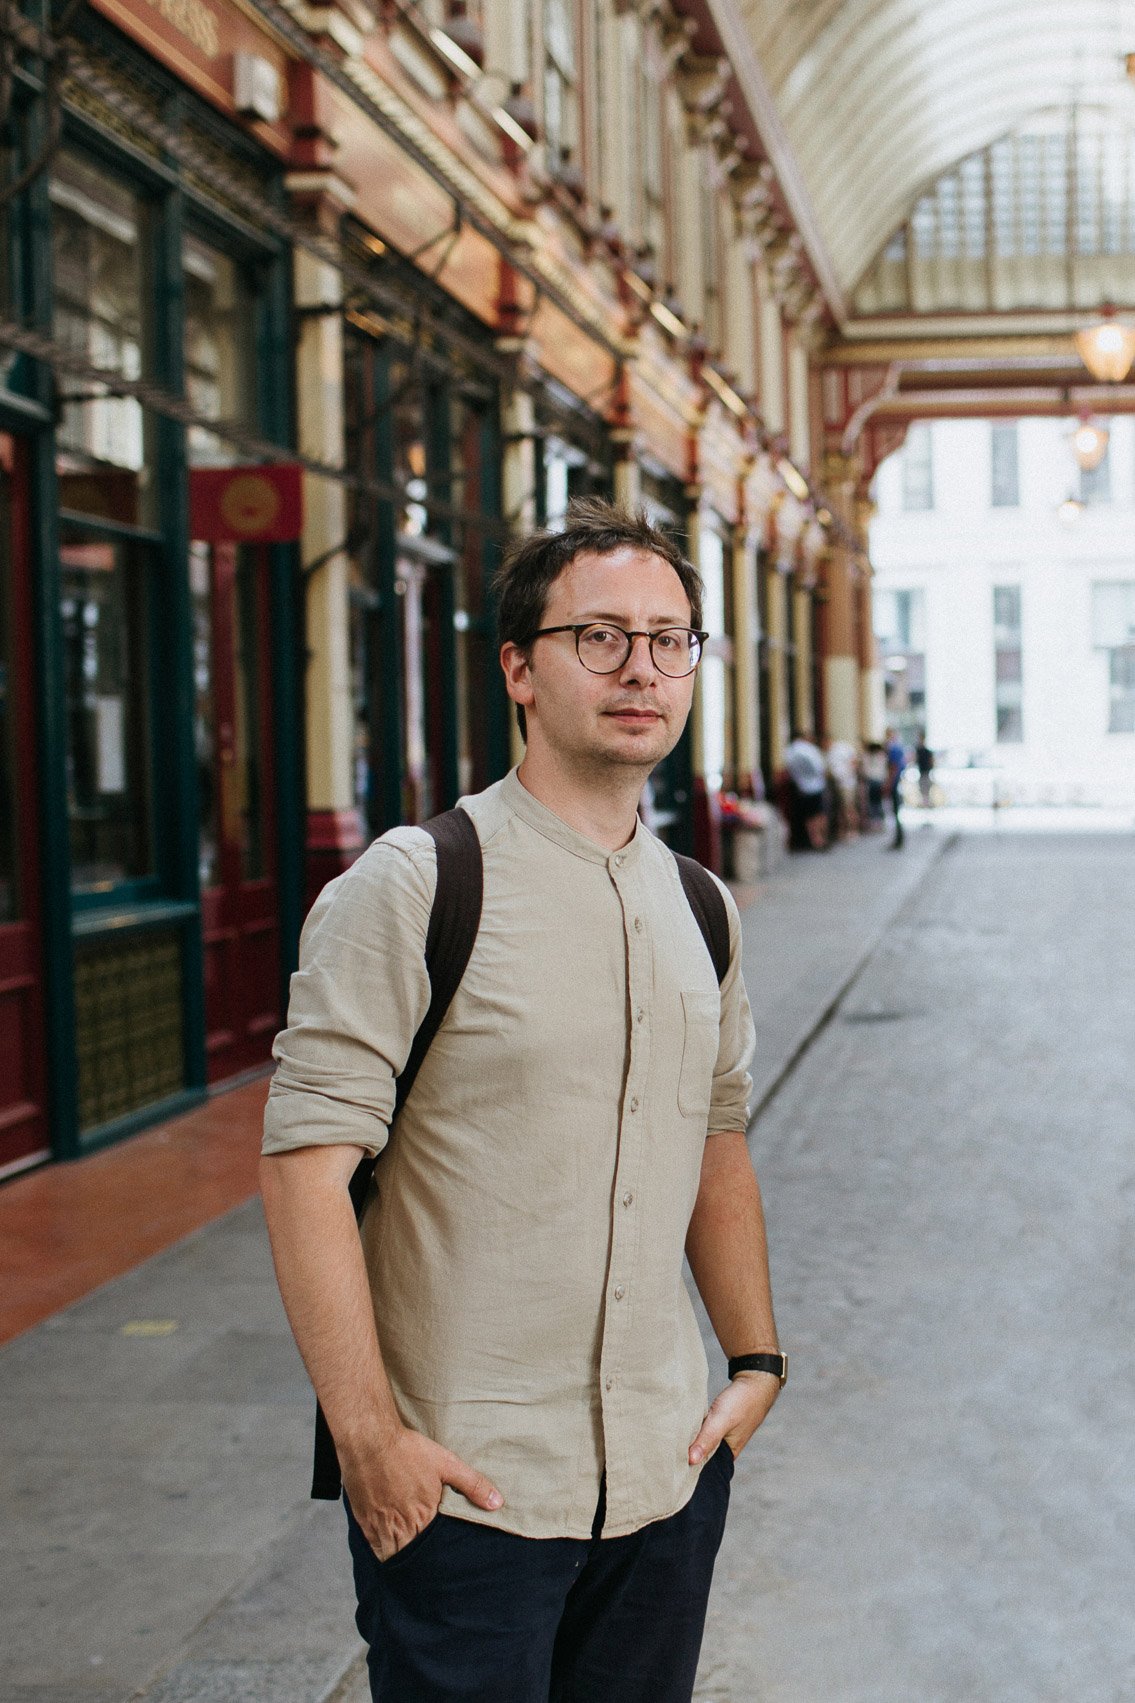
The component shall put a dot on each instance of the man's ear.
(518, 685)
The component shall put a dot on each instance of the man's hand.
(735, 1415)
(394, 1491)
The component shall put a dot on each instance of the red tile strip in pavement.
(67, 1229)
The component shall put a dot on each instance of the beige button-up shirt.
(526, 1234)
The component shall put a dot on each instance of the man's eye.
(600, 636)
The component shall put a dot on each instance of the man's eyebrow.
(619, 620)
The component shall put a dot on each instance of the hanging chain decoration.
(65, 362)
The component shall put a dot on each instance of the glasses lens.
(676, 651)
(603, 649)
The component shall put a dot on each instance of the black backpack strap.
(454, 921)
(703, 896)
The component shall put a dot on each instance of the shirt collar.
(554, 828)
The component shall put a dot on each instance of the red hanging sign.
(246, 505)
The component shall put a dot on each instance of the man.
(807, 777)
(508, 1360)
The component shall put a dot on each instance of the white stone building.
(1005, 607)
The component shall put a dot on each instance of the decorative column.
(628, 480)
(841, 662)
(872, 692)
(335, 829)
(747, 711)
(519, 465)
(776, 597)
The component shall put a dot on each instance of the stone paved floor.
(942, 1507)
(155, 1536)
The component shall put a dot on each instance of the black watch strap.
(777, 1364)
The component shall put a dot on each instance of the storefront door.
(23, 1123)
(239, 898)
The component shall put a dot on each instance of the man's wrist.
(766, 1362)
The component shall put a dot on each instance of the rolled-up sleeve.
(357, 1000)
(732, 1084)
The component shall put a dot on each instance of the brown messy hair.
(532, 565)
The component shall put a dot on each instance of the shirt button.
(639, 1015)
(609, 1383)
(627, 1198)
(634, 1105)
(638, 925)
(618, 863)
(619, 1292)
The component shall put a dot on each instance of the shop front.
(146, 916)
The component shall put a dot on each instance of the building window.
(1113, 631)
(98, 236)
(1005, 488)
(1007, 663)
(918, 469)
(561, 93)
(900, 628)
(1095, 482)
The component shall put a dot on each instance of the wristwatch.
(777, 1364)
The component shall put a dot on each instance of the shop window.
(105, 618)
(98, 242)
(221, 308)
(220, 347)
(918, 469)
(1005, 491)
(1007, 663)
(1113, 631)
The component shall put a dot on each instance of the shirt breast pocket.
(702, 1013)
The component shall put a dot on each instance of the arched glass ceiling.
(1042, 218)
(879, 98)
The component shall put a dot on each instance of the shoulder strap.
(703, 896)
(450, 938)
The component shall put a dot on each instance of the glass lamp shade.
(1107, 350)
(1090, 444)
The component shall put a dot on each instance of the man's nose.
(639, 664)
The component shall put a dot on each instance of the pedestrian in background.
(896, 764)
(509, 1363)
(924, 757)
(807, 793)
(843, 777)
(873, 776)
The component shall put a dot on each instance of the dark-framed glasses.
(603, 648)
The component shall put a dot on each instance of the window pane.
(108, 725)
(97, 229)
(220, 348)
(1122, 719)
(918, 469)
(1007, 667)
(1003, 444)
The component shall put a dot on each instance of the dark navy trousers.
(469, 1614)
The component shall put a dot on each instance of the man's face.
(633, 717)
